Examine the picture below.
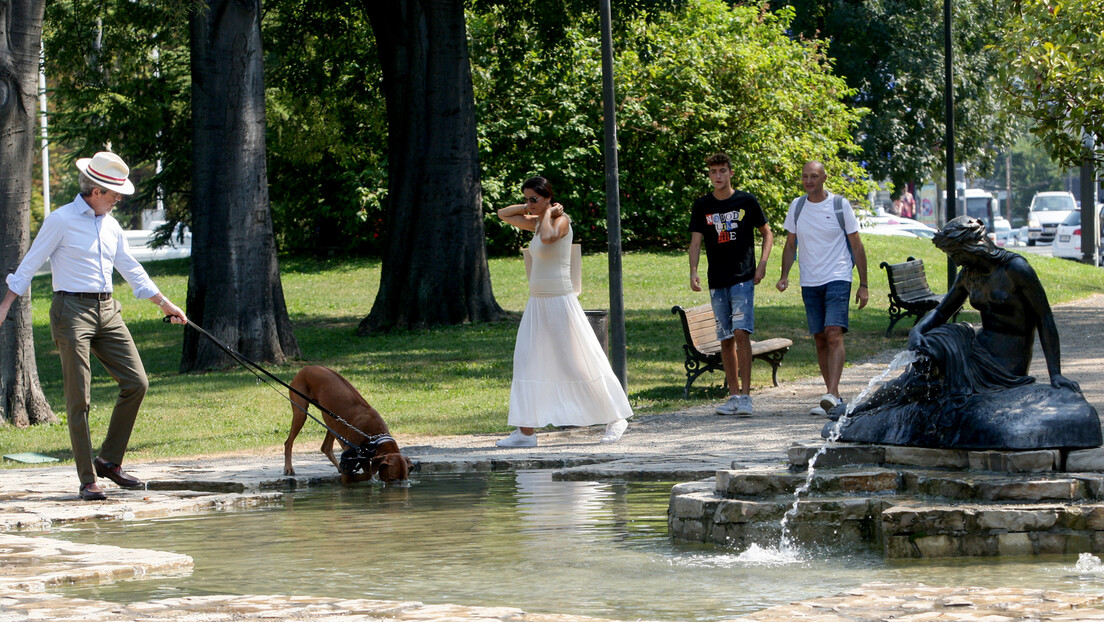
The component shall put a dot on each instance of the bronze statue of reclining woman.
(969, 387)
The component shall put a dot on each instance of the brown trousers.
(81, 326)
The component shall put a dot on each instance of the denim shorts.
(734, 308)
(827, 305)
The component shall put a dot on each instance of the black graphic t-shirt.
(728, 230)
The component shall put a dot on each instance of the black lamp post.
(613, 206)
(950, 202)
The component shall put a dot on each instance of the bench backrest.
(701, 328)
(907, 280)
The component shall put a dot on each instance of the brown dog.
(332, 391)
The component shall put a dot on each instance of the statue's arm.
(951, 303)
(1034, 295)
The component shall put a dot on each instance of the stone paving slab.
(889, 601)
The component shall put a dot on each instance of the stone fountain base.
(911, 502)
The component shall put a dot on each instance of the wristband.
(863, 285)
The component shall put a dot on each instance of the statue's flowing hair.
(968, 234)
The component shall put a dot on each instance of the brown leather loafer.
(92, 492)
(115, 473)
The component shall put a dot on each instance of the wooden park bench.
(703, 351)
(909, 293)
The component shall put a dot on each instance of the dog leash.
(253, 368)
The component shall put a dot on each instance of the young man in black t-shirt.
(726, 220)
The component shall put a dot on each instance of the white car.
(1002, 231)
(1047, 210)
(894, 225)
(1067, 239)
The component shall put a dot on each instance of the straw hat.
(108, 170)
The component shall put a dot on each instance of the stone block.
(694, 505)
(1036, 461)
(1014, 544)
(1014, 519)
(1064, 489)
(738, 511)
(757, 484)
(927, 458)
(939, 545)
(926, 519)
(835, 456)
(1094, 484)
(1085, 460)
(692, 530)
(869, 481)
(1049, 543)
(900, 547)
(977, 545)
(1077, 543)
(1094, 516)
(938, 486)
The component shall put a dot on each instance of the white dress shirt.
(82, 248)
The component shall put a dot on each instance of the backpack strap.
(837, 207)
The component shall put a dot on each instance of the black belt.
(92, 295)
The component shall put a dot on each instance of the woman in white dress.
(561, 375)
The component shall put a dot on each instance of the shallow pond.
(512, 539)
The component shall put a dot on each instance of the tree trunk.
(234, 291)
(435, 262)
(21, 400)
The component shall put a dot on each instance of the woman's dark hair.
(539, 185)
(968, 234)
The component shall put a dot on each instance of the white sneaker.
(743, 405)
(729, 407)
(518, 439)
(817, 411)
(614, 430)
(828, 401)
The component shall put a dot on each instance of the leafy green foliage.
(1053, 54)
(120, 76)
(690, 82)
(327, 129)
(891, 54)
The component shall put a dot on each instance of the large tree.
(1053, 73)
(891, 54)
(21, 398)
(435, 260)
(234, 291)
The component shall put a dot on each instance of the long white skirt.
(561, 375)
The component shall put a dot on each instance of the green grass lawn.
(453, 380)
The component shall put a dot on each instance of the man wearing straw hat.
(84, 243)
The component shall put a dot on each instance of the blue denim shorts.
(734, 308)
(827, 305)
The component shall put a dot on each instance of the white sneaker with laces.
(729, 407)
(743, 405)
(518, 439)
(817, 411)
(614, 430)
(828, 401)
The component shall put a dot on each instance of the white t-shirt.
(822, 245)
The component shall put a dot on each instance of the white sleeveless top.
(551, 272)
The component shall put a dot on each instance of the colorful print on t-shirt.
(725, 224)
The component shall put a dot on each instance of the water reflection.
(510, 539)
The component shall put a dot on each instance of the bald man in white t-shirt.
(830, 248)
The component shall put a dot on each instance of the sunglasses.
(532, 199)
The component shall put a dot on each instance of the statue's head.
(966, 236)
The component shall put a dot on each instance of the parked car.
(1048, 209)
(1002, 233)
(1067, 240)
(894, 225)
